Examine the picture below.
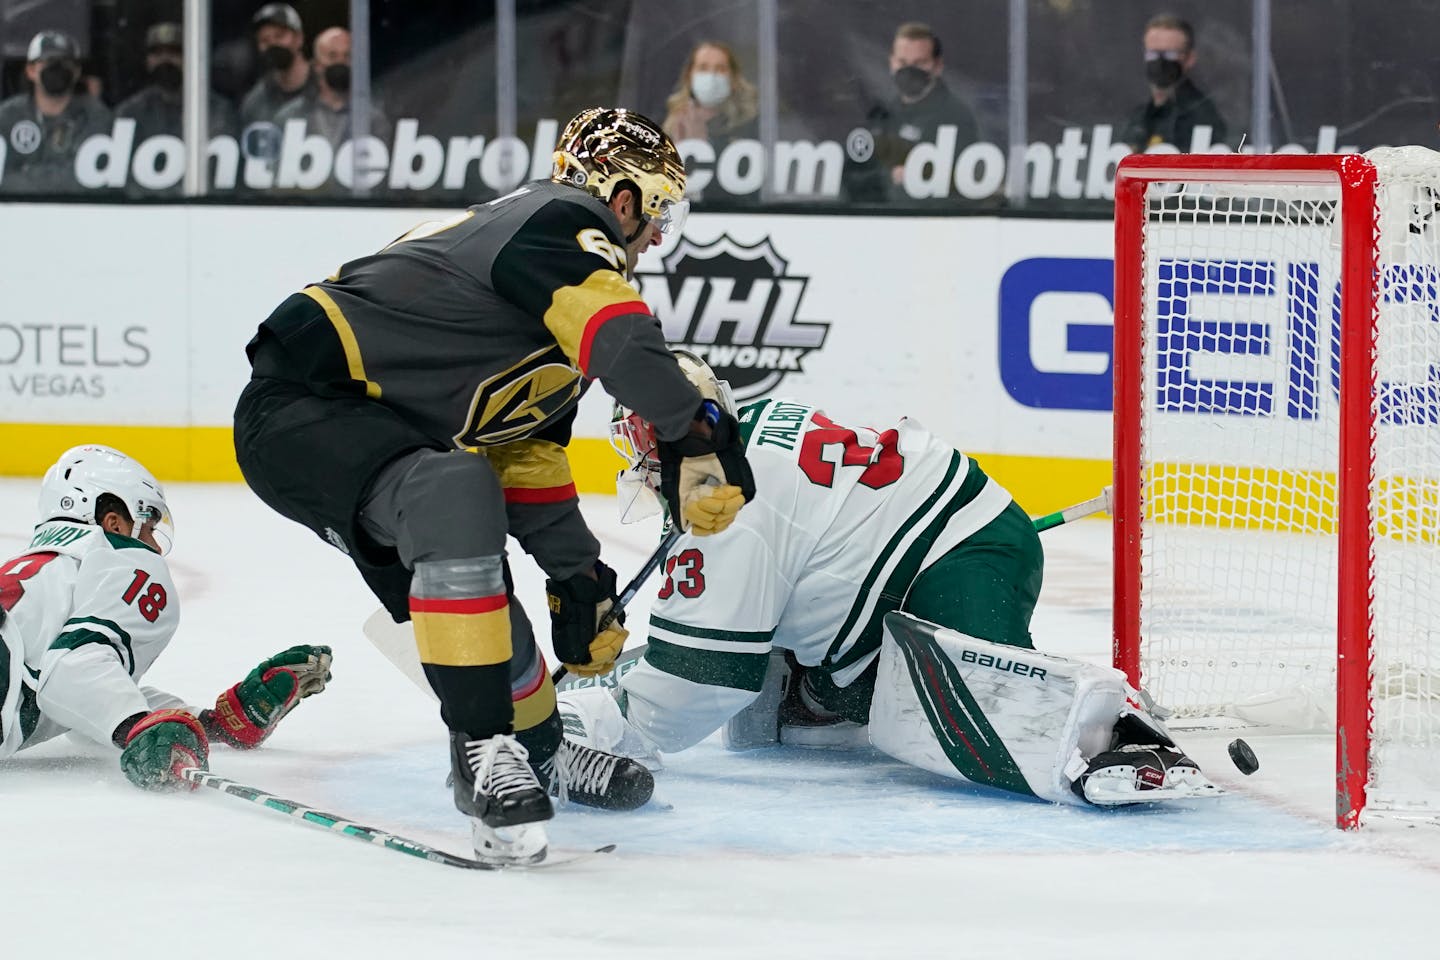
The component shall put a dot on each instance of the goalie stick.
(1083, 509)
(366, 834)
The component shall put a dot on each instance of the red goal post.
(1277, 450)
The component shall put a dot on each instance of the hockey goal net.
(1277, 452)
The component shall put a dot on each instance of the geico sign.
(1239, 337)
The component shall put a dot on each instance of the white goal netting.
(1240, 451)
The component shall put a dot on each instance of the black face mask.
(168, 76)
(1163, 73)
(337, 77)
(912, 81)
(277, 58)
(57, 79)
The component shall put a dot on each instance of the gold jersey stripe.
(535, 709)
(347, 339)
(463, 639)
(572, 307)
(530, 464)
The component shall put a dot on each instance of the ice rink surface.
(785, 853)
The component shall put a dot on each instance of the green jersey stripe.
(894, 543)
(120, 640)
(739, 671)
(867, 639)
(710, 633)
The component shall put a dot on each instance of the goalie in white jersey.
(90, 605)
(851, 524)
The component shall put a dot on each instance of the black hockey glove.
(577, 605)
(706, 480)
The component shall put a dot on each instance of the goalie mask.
(631, 436)
(83, 474)
(603, 148)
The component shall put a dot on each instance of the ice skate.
(495, 786)
(594, 778)
(1138, 773)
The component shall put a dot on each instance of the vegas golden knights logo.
(518, 401)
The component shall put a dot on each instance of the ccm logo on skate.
(1003, 665)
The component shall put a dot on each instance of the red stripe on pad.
(540, 674)
(597, 320)
(540, 494)
(457, 605)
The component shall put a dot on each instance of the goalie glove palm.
(577, 607)
(248, 712)
(706, 480)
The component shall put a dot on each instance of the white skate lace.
(575, 767)
(501, 766)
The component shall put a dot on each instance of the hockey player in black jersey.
(413, 409)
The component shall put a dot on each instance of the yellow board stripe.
(207, 455)
(535, 709)
(463, 639)
(347, 339)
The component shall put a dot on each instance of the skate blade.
(518, 845)
(1118, 789)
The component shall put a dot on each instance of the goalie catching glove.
(159, 745)
(248, 712)
(704, 476)
(577, 605)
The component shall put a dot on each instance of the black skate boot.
(594, 778)
(495, 786)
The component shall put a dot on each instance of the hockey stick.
(360, 832)
(1082, 509)
(631, 589)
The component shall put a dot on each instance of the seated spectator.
(712, 100)
(921, 104)
(43, 129)
(326, 109)
(285, 72)
(157, 108)
(1175, 106)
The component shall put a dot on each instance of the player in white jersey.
(850, 524)
(88, 607)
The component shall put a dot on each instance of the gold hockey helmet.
(603, 147)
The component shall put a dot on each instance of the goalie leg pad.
(987, 713)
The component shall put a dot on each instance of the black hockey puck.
(1245, 760)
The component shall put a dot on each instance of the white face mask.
(710, 89)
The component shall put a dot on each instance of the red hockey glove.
(162, 744)
(248, 712)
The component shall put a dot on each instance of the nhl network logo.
(736, 307)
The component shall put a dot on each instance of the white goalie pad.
(987, 713)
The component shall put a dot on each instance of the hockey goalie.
(880, 584)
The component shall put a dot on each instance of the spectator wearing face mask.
(919, 106)
(326, 110)
(285, 71)
(1176, 106)
(712, 100)
(158, 107)
(43, 129)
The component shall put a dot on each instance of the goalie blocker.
(1022, 721)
